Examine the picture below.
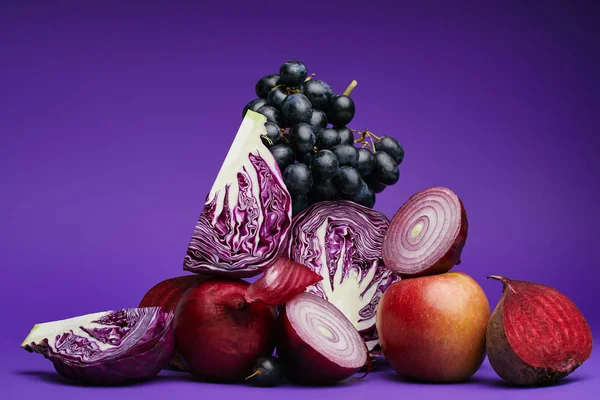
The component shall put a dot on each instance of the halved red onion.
(427, 234)
(317, 344)
(282, 282)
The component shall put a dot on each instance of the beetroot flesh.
(410, 248)
(305, 364)
(166, 294)
(219, 334)
(536, 335)
(282, 282)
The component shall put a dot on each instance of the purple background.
(114, 120)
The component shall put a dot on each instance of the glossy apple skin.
(219, 334)
(433, 328)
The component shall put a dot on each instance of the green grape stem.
(350, 88)
(367, 138)
(267, 139)
(257, 372)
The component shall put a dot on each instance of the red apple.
(166, 294)
(219, 334)
(433, 328)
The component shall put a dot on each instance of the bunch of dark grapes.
(320, 157)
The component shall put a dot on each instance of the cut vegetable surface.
(341, 241)
(282, 282)
(247, 213)
(536, 334)
(107, 348)
(427, 234)
(316, 343)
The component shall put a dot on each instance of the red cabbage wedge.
(107, 348)
(341, 241)
(247, 213)
(317, 344)
(427, 234)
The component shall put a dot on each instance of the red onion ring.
(427, 234)
(317, 344)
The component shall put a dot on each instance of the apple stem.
(257, 372)
(350, 88)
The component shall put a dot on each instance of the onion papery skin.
(281, 282)
(433, 222)
(303, 363)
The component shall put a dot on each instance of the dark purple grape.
(366, 162)
(302, 138)
(324, 190)
(328, 138)
(377, 187)
(348, 180)
(392, 147)
(346, 154)
(254, 105)
(299, 203)
(318, 92)
(307, 158)
(386, 170)
(325, 165)
(292, 73)
(318, 120)
(346, 135)
(365, 196)
(298, 179)
(273, 115)
(296, 108)
(273, 133)
(276, 97)
(341, 110)
(266, 372)
(265, 84)
(283, 155)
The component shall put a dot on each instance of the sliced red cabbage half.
(341, 241)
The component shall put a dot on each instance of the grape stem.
(372, 135)
(368, 139)
(288, 89)
(350, 88)
(310, 77)
(257, 372)
(267, 139)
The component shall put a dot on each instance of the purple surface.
(114, 120)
